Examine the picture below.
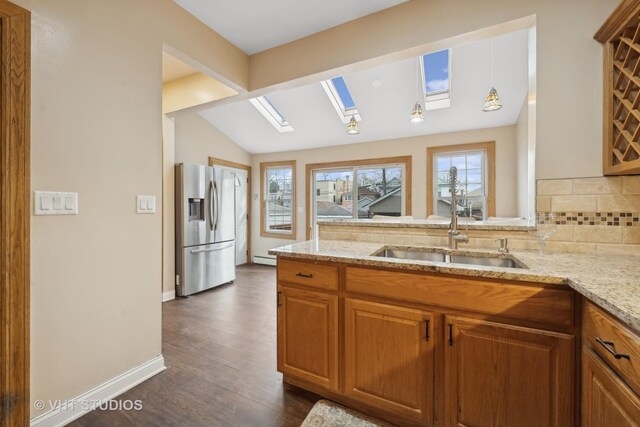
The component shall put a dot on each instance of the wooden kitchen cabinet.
(308, 336)
(389, 358)
(606, 399)
(610, 371)
(499, 375)
(377, 340)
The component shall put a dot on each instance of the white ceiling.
(256, 25)
(385, 110)
(173, 68)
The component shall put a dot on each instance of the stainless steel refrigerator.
(205, 228)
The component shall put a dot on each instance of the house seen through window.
(358, 192)
(472, 194)
(278, 198)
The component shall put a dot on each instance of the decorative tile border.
(614, 219)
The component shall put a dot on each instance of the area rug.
(329, 414)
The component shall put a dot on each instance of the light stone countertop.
(612, 282)
(429, 224)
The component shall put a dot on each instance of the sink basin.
(412, 254)
(502, 261)
(448, 256)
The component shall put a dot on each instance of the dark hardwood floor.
(220, 351)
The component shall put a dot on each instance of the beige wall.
(189, 139)
(522, 160)
(197, 140)
(569, 63)
(96, 130)
(189, 91)
(505, 138)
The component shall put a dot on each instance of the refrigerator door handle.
(197, 251)
(215, 196)
(211, 197)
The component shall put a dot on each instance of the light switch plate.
(55, 203)
(146, 204)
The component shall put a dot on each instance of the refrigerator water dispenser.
(196, 209)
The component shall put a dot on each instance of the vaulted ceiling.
(385, 110)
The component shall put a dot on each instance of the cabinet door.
(389, 358)
(506, 376)
(606, 400)
(308, 336)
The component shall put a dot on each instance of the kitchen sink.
(412, 254)
(454, 257)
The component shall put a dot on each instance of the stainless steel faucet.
(504, 245)
(454, 234)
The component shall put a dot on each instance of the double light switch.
(55, 203)
(146, 204)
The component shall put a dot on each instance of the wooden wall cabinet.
(620, 37)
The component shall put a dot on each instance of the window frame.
(286, 234)
(405, 161)
(489, 147)
(439, 99)
(344, 114)
(271, 113)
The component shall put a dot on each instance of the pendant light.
(492, 102)
(352, 128)
(416, 114)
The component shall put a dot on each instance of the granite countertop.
(430, 224)
(609, 281)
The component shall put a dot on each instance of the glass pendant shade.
(416, 114)
(352, 128)
(492, 103)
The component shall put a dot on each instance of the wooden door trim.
(230, 164)
(15, 66)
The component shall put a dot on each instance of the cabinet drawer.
(528, 302)
(308, 274)
(613, 342)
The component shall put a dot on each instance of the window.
(358, 189)
(341, 99)
(278, 199)
(476, 179)
(271, 113)
(436, 79)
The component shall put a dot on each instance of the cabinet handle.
(306, 276)
(609, 346)
(450, 334)
(426, 337)
(278, 299)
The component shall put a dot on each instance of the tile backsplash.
(596, 215)
(589, 215)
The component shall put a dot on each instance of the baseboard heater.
(265, 260)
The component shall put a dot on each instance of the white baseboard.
(264, 260)
(75, 408)
(168, 296)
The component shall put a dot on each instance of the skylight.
(436, 79)
(341, 98)
(271, 113)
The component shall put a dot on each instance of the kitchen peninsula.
(422, 342)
